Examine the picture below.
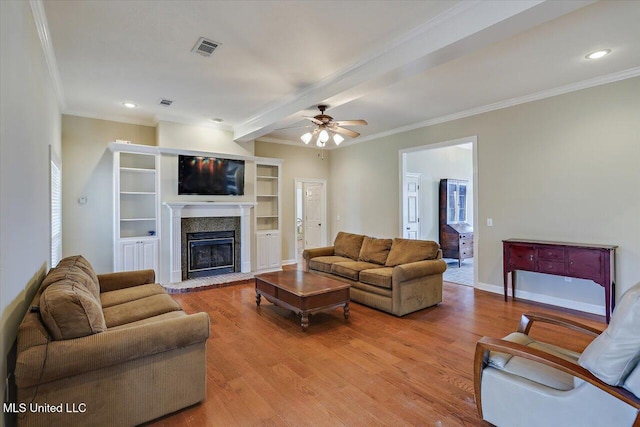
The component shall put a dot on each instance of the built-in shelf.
(268, 220)
(137, 219)
(137, 170)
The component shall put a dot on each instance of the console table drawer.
(551, 253)
(586, 264)
(551, 267)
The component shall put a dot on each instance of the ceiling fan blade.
(314, 120)
(344, 131)
(350, 122)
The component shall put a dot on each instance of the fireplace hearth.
(210, 253)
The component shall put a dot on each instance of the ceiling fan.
(327, 128)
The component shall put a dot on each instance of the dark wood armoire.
(456, 234)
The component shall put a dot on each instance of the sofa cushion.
(351, 269)
(375, 250)
(77, 269)
(120, 296)
(348, 245)
(324, 263)
(143, 308)
(377, 277)
(404, 251)
(158, 318)
(616, 351)
(69, 311)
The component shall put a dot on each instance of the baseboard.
(289, 261)
(545, 299)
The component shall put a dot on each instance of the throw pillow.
(375, 250)
(348, 245)
(404, 251)
(69, 311)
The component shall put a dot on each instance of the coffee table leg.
(257, 298)
(305, 321)
(346, 310)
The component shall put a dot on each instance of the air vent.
(166, 102)
(205, 47)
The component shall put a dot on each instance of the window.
(56, 208)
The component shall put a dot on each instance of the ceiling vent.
(205, 47)
(166, 102)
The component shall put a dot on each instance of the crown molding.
(40, 19)
(112, 118)
(573, 87)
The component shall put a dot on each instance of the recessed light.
(129, 104)
(217, 120)
(598, 54)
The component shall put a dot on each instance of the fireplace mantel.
(184, 209)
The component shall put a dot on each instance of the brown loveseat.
(398, 276)
(111, 349)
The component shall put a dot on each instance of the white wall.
(563, 168)
(29, 124)
(88, 172)
(200, 138)
(433, 165)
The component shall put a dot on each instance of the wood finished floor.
(373, 369)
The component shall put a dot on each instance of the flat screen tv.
(210, 176)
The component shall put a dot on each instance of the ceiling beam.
(467, 26)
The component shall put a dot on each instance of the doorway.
(455, 159)
(311, 215)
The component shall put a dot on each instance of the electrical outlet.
(337, 217)
(489, 222)
(568, 279)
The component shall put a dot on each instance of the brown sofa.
(111, 349)
(398, 276)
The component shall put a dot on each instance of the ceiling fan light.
(321, 144)
(323, 136)
(337, 138)
(306, 137)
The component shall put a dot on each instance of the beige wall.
(29, 125)
(299, 162)
(433, 165)
(87, 171)
(564, 168)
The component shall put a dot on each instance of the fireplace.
(195, 217)
(210, 246)
(210, 253)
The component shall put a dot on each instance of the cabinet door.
(585, 263)
(148, 255)
(522, 257)
(274, 249)
(127, 256)
(262, 252)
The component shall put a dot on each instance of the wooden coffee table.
(303, 293)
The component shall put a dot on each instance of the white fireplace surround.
(181, 210)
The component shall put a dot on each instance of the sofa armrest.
(61, 359)
(414, 270)
(307, 254)
(125, 279)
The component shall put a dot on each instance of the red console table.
(582, 261)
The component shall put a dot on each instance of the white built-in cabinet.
(136, 184)
(268, 216)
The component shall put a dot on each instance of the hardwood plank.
(373, 369)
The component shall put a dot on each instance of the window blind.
(56, 211)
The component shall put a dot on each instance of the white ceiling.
(396, 64)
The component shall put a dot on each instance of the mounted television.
(210, 176)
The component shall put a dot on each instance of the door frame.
(323, 209)
(402, 163)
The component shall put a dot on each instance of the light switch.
(489, 222)
(82, 200)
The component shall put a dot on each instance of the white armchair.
(522, 382)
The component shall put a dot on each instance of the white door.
(128, 256)
(148, 255)
(314, 227)
(411, 206)
(262, 252)
(274, 249)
